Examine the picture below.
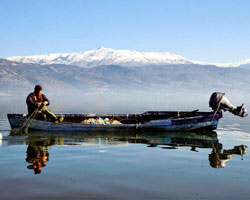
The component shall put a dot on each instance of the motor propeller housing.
(218, 101)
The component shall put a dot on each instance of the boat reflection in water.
(39, 144)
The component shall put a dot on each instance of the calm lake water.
(127, 166)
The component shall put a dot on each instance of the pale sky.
(210, 31)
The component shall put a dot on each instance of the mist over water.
(120, 102)
(130, 102)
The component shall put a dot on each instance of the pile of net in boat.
(99, 120)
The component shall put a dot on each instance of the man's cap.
(38, 87)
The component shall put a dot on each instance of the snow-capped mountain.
(234, 64)
(104, 56)
(20, 78)
(108, 56)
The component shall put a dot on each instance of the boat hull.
(204, 121)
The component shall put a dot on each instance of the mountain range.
(17, 78)
(107, 56)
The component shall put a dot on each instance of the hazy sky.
(212, 30)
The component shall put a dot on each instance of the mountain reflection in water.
(39, 144)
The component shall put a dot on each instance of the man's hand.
(39, 105)
(45, 103)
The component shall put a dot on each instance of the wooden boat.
(150, 120)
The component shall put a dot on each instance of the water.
(127, 166)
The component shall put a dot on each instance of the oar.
(186, 113)
(182, 115)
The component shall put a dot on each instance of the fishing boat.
(150, 120)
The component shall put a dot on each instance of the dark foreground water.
(127, 166)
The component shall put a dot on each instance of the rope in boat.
(29, 120)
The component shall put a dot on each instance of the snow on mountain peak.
(104, 56)
(108, 56)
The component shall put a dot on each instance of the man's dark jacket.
(32, 102)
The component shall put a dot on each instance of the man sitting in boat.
(37, 102)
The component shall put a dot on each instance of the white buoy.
(1, 137)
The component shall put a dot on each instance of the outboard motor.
(218, 101)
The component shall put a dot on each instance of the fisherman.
(37, 100)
